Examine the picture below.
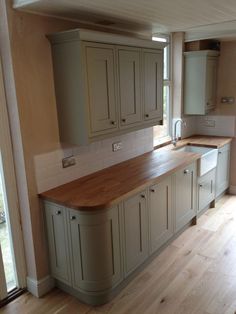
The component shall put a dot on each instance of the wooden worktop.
(109, 186)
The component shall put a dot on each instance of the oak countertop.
(108, 187)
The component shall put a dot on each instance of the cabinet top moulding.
(102, 37)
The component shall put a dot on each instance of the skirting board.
(232, 189)
(40, 287)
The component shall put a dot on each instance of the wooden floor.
(195, 274)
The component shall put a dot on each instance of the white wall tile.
(96, 156)
(223, 125)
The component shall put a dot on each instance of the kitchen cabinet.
(206, 189)
(105, 84)
(222, 170)
(57, 232)
(160, 213)
(95, 246)
(200, 81)
(153, 89)
(135, 225)
(185, 195)
(129, 74)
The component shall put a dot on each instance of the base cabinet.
(161, 214)
(206, 189)
(222, 170)
(185, 195)
(135, 225)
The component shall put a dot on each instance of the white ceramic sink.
(208, 158)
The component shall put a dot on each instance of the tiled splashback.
(96, 156)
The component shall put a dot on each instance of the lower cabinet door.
(185, 195)
(95, 244)
(135, 224)
(160, 214)
(222, 170)
(57, 231)
(206, 189)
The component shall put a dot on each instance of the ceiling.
(199, 19)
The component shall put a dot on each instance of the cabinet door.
(206, 189)
(222, 170)
(100, 70)
(129, 85)
(153, 84)
(57, 231)
(185, 195)
(211, 75)
(95, 245)
(135, 231)
(161, 214)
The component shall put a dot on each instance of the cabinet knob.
(72, 217)
(113, 122)
(200, 185)
(186, 171)
(152, 190)
(147, 115)
(123, 120)
(58, 212)
(219, 153)
(143, 196)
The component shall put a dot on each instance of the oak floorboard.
(195, 274)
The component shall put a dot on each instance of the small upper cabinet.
(105, 84)
(200, 82)
(153, 75)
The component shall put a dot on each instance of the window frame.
(167, 82)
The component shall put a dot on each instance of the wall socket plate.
(209, 123)
(68, 161)
(117, 146)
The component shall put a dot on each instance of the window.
(162, 132)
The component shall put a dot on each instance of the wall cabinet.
(161, 213)
(200, 81)
(222, 170)
(105, 89)
(206, 189)
(135, 213)
(92, 252)
(185, 195)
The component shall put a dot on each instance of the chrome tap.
(175, 137)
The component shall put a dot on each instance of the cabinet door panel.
(153, 86)
(129, 85)
(56, 220)
(96, 250)
(161, 214)
(211, 83)
(185, 196)
(222, 170)
(101, 88)
(206, 189)
(135, 231)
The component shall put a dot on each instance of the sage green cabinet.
(200, 81)
(206, 189)
(135, 225)
(95, 243)
(101, 87)
(57, 232)
(160, 213)
(153, 89)
(222, 170)
(129, 74)
(104, 89)
(185, 195)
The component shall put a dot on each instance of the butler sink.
(208, 158)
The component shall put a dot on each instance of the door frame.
(10, 189)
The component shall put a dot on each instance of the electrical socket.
(209, 123)
(68, 162)
(117, 146)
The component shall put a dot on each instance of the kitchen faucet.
(175, 137)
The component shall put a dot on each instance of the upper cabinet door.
(129, 85)
(153, 84)
(211, 83)
(100, 70)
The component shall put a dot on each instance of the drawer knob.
(72, 218)
(147, 115)
(123, 120)
(58, 212)
(152, 190)
(186, 171)
(143, 196)
(113, 122)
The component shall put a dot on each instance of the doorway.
(12, 261)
